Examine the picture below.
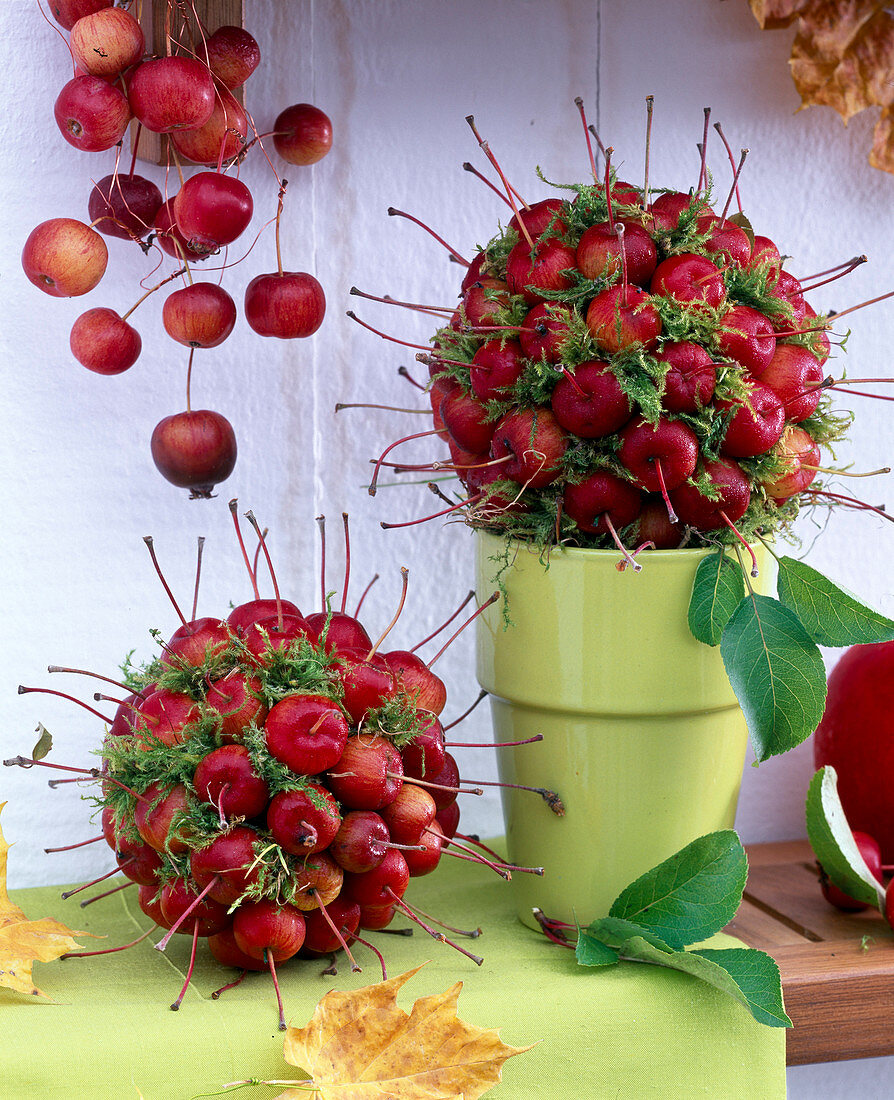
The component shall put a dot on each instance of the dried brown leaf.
(362, 1046)
(882, 153)
(24, 942)
(842, 57)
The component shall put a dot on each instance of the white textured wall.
(397, 77)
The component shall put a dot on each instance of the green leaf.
(830, 615)
(833, 842)
(613, 931)
(44, 742)
(777, 673)
(592, 952)
(716, 593)
(743, 972)
(690, 896)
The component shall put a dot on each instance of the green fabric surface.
(623, 1033)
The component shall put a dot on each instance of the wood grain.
(837, 968)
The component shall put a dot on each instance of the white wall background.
(397, 78)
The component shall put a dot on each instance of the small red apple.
(288, 304)
(302, 134)
(64, 257)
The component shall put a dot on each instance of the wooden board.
(837, 968)
(153, 148)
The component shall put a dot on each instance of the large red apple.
(286, 304)
(856, 736)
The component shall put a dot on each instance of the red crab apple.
(623, 315)
(538, 217)
(602, 499)
(599, 252)
(64, 257)
(201, 315)
(233, 55)
(689, 278)
(794, 375)
(496, 367)
(218, 139)
(194, 450)
(212, 210)
(756, 425)
(91, 114)
(703, 513)
(536, 443)
(856, 736)
(68, 12)
(171, 93)
(748, 337)
(106, 42)
(590, 403)
(123, 205)
(286, 304)
(726, 240)
(546, 268)
(690, 379)
(544, 332)
(302, 134)
(102, 341)
(169, 237)
(660, 456)
(802, 454)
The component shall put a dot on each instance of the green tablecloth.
(627, 1033)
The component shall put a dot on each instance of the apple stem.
(620, 229)
(429, 360)
(499, 863)
(469, 596)
(860, 305)
(846, 270)
(828, 271)
(251, 573)
(363, 596)
(405, 584)
(150, 543)
(479, 843)
(230, 985)
(488, 744)
(268, 958)
(659, 473)
(469, 168)
(608, 188)
(394, 340)
(375, 951)
(735, 530)
(650, 103)
(845, 473)
(862, 393)
(191, 909)
(80, 844)
(628, 557)
(65, 895)
(282, 191)
(387, 300)
(573, 382)
(405, 439)
(388, 408)
(393, 213)
(551, 929)
(344, 519)
(491, 599)
(107, 894)
(108, 950)
(732, 161)
(195, 598)
(221, 817)
(592, 130)
(504, 874)
(434, 515)
(152, 290)
(404, 373)
(429, 785)
(510, 191)
(733, 189)
(250, 516)
(321, 524)
(703, 149)
(93, 675)
(551, 798)
(63, 695)
(439, 936)
(851, 502)
(471, 934)
(579, 103)
(355, 969)
(175, 1007)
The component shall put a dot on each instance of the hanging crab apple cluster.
(274, 779)
(629, 367)
(191, 94)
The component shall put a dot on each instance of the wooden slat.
(837, 968)
(153, 148)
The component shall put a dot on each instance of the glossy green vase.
(643, 738)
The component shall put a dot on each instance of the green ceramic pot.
(642, 736)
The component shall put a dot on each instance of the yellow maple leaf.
(842, 57)
(24, 942)
(362, 1046)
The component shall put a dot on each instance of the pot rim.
(584, 552)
